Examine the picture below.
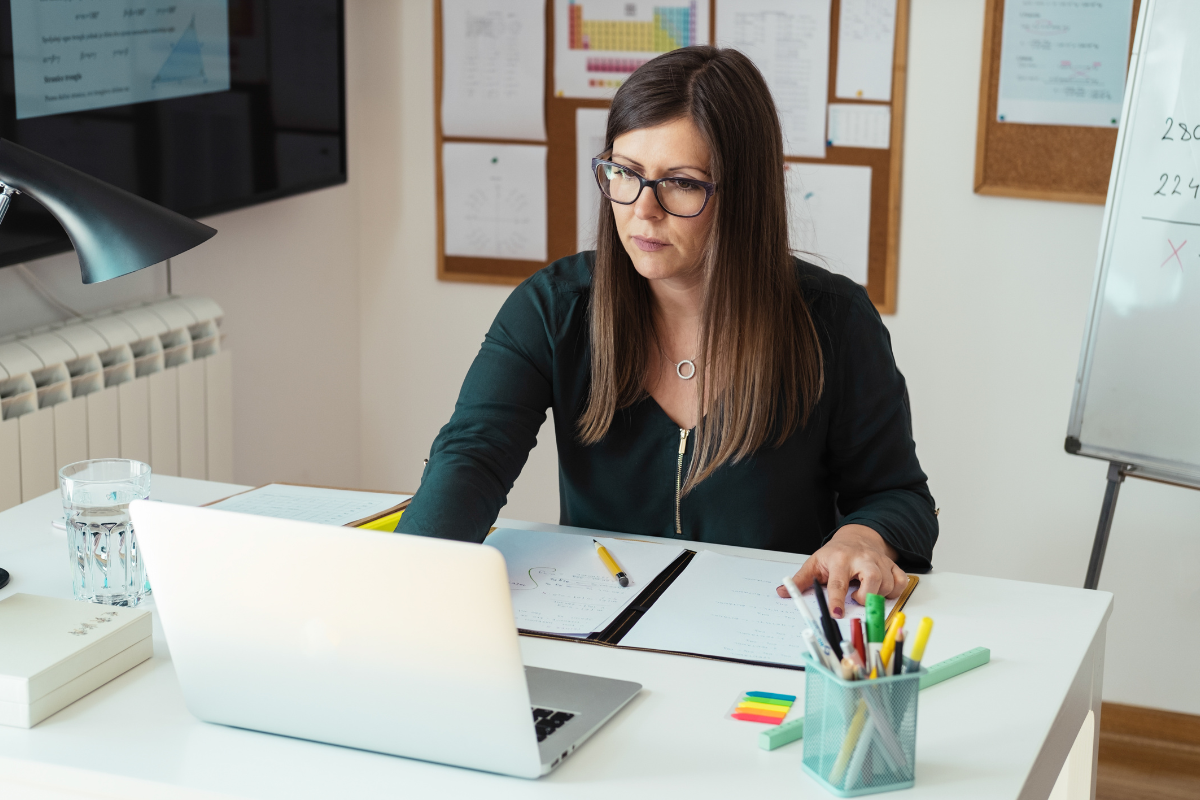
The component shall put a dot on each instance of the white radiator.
(151, 383)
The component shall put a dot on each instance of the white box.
(58, 650)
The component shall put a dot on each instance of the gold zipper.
(683, 434)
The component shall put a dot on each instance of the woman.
(705, 385)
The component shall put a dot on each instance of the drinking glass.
(106, 564)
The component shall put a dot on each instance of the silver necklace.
(679, 365)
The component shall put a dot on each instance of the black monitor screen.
(201, 106)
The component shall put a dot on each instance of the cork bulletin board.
(561, 168)
(1067, 163)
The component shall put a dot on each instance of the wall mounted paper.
(1063, 62)
(590, 125)
(598, 43)
(495, 200)
(493, 68)
(866, 46)
(860, 125)
(78, 56)
(788, 40)
(829, 215)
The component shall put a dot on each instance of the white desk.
(1000, 731)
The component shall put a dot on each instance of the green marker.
(789, 732)
(875, 619)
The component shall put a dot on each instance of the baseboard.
(1148, 754)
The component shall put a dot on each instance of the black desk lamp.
(113, 232)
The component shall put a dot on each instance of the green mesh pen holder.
(860, 737)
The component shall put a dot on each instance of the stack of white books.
(54, 651)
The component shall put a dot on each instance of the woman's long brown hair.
(759, 363)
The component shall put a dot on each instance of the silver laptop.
(380, 641)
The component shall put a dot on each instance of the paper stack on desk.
(53, 651)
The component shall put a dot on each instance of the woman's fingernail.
(837, 612)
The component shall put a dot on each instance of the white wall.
(993, 294)
(286, 274)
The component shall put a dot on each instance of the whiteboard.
(1137, 392)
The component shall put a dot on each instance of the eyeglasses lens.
(680, 197)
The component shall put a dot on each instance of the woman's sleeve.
(872, 456)
(502, 404)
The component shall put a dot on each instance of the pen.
(856, 637)
(832, 634)
(889, 641)
(609, 562)
(898, 661)
(802, 606)
(918, 648)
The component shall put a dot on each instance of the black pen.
(833, 634)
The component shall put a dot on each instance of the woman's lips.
(649, 245)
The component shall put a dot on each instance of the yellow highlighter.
(889, 641)
(611, 563)
(918, 648)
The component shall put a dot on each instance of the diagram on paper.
(70, 57)
(495, 200)
(599, 43)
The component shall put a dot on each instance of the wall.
(992, 298)
(286, 274)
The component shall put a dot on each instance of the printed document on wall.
(79, 56)
(1063, 62)
(495, 200)
(493, 73)
(860, 125)
(599, 43)
(590, 126)
(788, 40)
(866, 45)
(829, 216)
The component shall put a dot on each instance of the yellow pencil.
(611, 563)
(889, 641)
(843, 759)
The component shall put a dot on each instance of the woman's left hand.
(855, 551)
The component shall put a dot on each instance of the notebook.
(701, 604)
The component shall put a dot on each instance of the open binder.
(612, 635)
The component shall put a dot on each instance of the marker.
(889, 641)
(829, 624)
(805, 611)
(856, 637)
(918, 648)
(609, 562)
(875, 626)
(875, 618)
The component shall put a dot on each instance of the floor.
(1146, 754)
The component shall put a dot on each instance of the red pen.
(856, 637)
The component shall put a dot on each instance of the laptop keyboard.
(547, 721)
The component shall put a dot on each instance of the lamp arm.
(6, 195)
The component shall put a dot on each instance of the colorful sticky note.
(767, 707)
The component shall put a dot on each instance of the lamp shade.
(114, 232)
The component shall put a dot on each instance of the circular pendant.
(679, 369)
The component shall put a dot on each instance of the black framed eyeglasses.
(679, 197)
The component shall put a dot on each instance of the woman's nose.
(646, 206)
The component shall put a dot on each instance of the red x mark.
(1174, 254)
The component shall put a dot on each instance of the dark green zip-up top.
(854, 461)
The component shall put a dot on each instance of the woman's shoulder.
(834, 300)
(571, 275)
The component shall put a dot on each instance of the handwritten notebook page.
(726, 607)
(560, 586)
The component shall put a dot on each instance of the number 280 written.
(1172, 185)
(1185, 133)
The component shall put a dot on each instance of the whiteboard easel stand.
(1116, 476)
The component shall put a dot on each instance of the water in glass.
(106, 564)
